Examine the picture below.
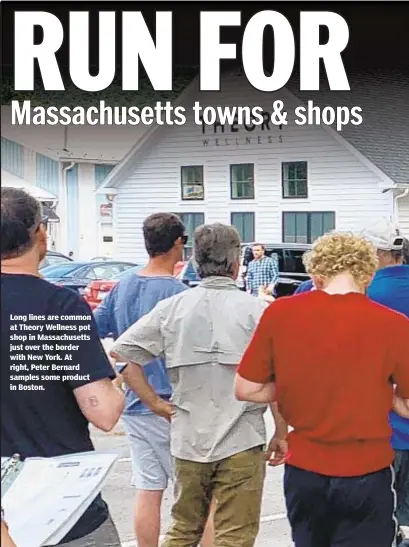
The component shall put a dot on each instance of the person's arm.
(281, 426)
(305, 286)
(104, 315)
(135, 378)
(274, 273)
(6, 540)
(278, 446)
(249, 278)
(400, 374)
(137, 347)
(401, 406)
(254, 380)
(99, 400)
(253, 392)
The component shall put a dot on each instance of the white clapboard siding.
(338, 180)
(403, 215)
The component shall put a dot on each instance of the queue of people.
(203, 366)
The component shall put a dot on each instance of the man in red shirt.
(334, 386)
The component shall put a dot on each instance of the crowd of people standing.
(202, 367)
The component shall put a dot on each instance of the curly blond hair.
(337, 253)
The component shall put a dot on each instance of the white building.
(275, 184)
(63, 166)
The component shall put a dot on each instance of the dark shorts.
(402, 486)
(341, 512)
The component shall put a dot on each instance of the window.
(306, 227)
(52, 260)
(192, 182)
(244, 222)
(242, 181)
(12, 157)
(191, 222)
(60, 270)
(294, 179)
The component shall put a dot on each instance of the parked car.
(97, 290)
(178, 268)
(188, 275)
(52, 258)
(77, 275)
(291, 267)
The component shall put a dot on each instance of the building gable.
(379, 152)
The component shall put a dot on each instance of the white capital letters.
(211, 50)
(137, 43)
(25, 51)
(284, 49)
(311, 50)
(79, 51)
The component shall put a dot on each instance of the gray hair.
(216, 250)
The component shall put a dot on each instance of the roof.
(383, 136)
(124, 168)
(85, 143)
(10, 180)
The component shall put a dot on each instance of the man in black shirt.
(55, 375)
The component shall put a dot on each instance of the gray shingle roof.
(383, 136)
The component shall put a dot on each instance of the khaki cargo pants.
(237, 485)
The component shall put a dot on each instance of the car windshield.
(60, 270)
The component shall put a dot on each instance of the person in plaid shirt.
(262, 272)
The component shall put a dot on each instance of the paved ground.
(119, 494)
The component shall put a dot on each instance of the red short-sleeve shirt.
(334, 359)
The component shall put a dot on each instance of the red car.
(96, 291)
(178, 268)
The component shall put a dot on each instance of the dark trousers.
(402, 486)
(341, 512)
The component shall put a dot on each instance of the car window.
(278, 254)
(57, 259)
(105, 271)
(293, 261)
(60, 270)
(247, 256)
(90, 274)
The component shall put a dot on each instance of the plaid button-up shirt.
(262, 273)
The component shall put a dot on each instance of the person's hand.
(265, 295)
(276, 451)
(163, 408)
